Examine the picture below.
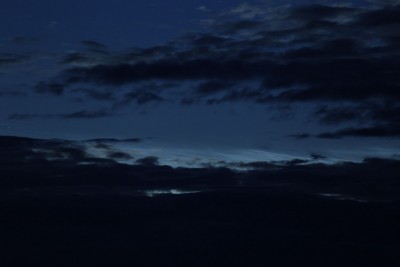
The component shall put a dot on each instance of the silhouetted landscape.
(102, 213)
(238, 133)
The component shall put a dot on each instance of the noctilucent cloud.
(206, 81)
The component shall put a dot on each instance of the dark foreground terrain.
(247, 227)
(101, 213)
(96, 226)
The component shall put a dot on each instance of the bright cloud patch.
(154, 193)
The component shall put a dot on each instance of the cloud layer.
(342, 59)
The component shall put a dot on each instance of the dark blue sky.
(220, 80)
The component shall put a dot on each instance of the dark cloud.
(106, 144)
(151, 54)
(242, 25)
(118, 155)
(339, 47)
(21, 149)
(316, 156)
(389, 15)
(12, 93)
(76, 58)
(317, 11)
(139, 97)
(317, 54)
(19, 116)
(266, 165)
(96, 94)
(68, 163)
(295, 162)
(86, 114)
(50, 88)
(167, 70)
(376, 131)
(207, 40)
(20, 40)
(244, 94)
(329, 115)
(148, 161)
(255, 165)
(29, 150)
(211, 87)
(81, 114)
(93, 45)
(392, 130)
(113, 140)
(300, 135)
(9, 58)
(386, 114)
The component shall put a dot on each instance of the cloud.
(96, 94)
(320, 12)
(318, 54)
(242, 26)
(12, 93)
(94, 46)
(139, 97)
(316, 156)
(248, 11)
(203, 8)
(21, 40)
(118, 155)
(86, 114)
(373, 131)
(70, 163)
(19, 116)
(113, 140)
(211, 87)
(383, 116)
(81, 114)
(49, 88)
(335, 115)
(387, 15)
(76, 58)
(148, 161)
(21, 149)
(207, 40)
(382, 130)
(7, 59)
(196, 69)
(300, 136)
(385, 2)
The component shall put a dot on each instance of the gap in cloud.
(344, 197)
(161, 192)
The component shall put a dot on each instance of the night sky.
(200, 133)
(255, 80)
